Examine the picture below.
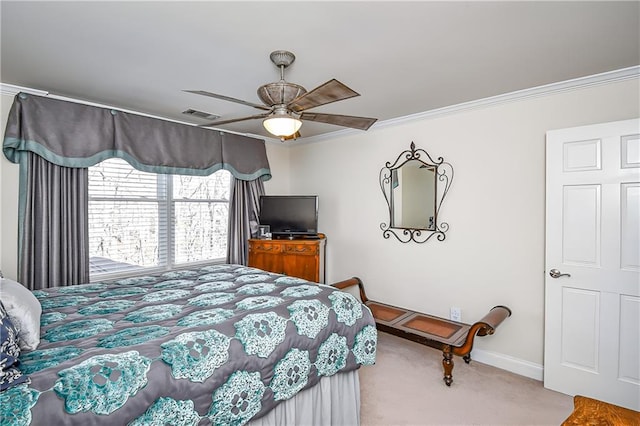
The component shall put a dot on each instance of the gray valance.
(76, 135)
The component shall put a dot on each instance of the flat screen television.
(290, 215)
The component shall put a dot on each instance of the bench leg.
(447, 364)
(467, 358)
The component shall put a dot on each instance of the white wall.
(494, 251)
(278, 155)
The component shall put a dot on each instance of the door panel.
(582, 155)
(592, 303)
(580, 349)
(630, 218)
(581, 225)
(629, 363)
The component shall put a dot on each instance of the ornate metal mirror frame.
(442, 176)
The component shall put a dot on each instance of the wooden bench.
(451, 337)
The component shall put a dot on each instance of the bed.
(225, 344)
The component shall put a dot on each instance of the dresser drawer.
(304, 249)
(266, 247)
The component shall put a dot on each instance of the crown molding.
(545, 90)
(538, 91)
(12, 90)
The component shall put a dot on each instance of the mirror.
(414, 187)
(413, 202)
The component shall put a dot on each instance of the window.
(156, 221)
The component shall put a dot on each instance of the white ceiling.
(402, 57)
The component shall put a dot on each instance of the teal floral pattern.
(132, 336)
(62, 301)
(309, 316)
(153, 313)
(261, 333)
(332, 355)
(40, 294)
(291, 374)
(259, 302)
(180, 274)
(123, 292)
(102, 383)
(216, 276)
(290, 280)
(211, 299)
(252, 278)
(235, 402)
(241, 270)
(82, 288)
(106, 307)
(173, 284)
(151, 350)
(255, 289)
(137, 280)
(347, 308)
(195, 356)
(77, 329)
(165, 295)
(168, 411)
(51, 317)
(366, 343)
(16, 403)
(215, 286)
(304, 290)
(207, 317)
(37, 360)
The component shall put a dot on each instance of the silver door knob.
(557, 274)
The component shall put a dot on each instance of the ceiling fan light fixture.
(282, 125)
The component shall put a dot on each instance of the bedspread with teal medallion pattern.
(220, 345)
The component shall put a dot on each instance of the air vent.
(201, 114)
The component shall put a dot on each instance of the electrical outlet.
(455, 314)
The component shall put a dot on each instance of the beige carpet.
(405, 387)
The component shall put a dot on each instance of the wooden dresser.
(302, 258)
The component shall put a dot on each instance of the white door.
(592, 310)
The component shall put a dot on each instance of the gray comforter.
(223, 344)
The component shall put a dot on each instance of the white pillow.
(24, 310)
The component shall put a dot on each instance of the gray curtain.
(54, 242)
(68, 135)
(244, 208)
(76, 135)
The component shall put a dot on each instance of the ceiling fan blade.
(296, 135)
(331, 91)
(228, 98)
(233, 120)
(362, 123)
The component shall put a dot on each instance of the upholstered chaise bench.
(451, 337)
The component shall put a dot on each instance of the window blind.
(145, 220)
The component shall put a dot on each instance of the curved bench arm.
(341, 285)
(487, 325)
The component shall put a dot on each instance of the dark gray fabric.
(244, 210)
(54, 231)
(76, 135)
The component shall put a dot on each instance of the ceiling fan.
(285, 104)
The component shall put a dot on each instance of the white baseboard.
(505, 362)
